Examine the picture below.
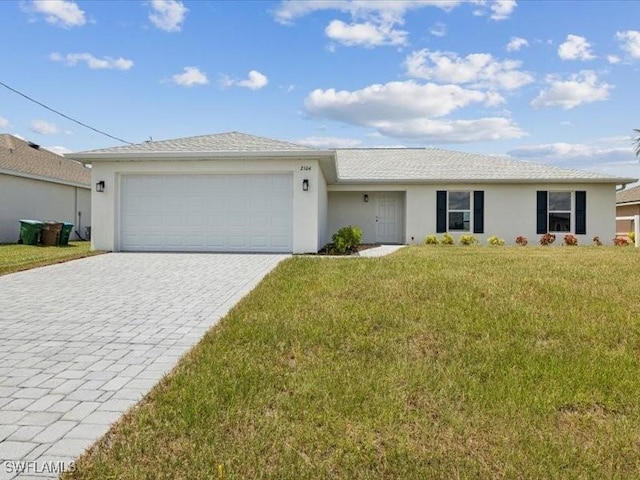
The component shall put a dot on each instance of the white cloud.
(290, 10)
(72, 59)
(167, 15)
(575, 47)
(329, 142)
(579, 88)
(407, 110)
(516, 43)
(190, 77)
(613, 59)
(255, 81)
(62, 13)
(477, 69)
(613, 155)
(454, 131)
(4, 123)
(58, 150)
(365, 34)
(439, 29)
(630, 42)
(44, 128)
(502, 9)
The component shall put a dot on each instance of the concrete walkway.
(81, 342)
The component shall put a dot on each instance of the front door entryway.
(389, 221)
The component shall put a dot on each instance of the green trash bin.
(65, 233)
(30, 231)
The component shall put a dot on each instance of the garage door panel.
(206, 213)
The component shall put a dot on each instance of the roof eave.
(70, 183)
(90, 157)
(396, 181)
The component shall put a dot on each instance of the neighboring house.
(627, 205)
(37, 184)
(237, 192)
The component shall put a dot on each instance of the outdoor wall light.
(305, 185)
(366, 198)
(100, 186)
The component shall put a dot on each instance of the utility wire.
(62, 114)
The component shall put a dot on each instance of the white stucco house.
(37, 184)
(234, 192)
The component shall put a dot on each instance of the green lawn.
(14, 258)
(435, 362)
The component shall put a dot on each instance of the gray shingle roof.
(436, 165)
(221, 142)
(629, 195)
(18, 156)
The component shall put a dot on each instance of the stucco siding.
(39, 200)
(106, 205)
(323, 208)
(509, 210)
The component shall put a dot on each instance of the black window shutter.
(542, 217)
(478, 211)
(581, 213)
(441, 211)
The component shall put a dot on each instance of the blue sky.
(552, 82)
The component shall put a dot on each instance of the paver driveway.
(81, 342)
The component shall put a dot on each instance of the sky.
(552, 82)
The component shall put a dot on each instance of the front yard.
(435, 362)
(14, 258)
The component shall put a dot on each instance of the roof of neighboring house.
(230, 142)
(26, 159)
(366, 165)
(630, 195)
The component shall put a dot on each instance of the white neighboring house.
(37, 184)
(234, 192)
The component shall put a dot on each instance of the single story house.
(234, 192)
(627, 205)
(37, 184)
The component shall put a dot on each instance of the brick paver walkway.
(83, 341)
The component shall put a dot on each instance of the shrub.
(467, 240)
(597, 242)
(632, 237)
(620, 242)
(570, 240)
(447, 239)
(496, 241)
(547, 239)
(522, 241)
(431, 240)
(347, 239)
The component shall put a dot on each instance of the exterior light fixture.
(100, 186)
(305, 185)
(366, 198)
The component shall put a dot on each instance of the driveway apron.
(83, 341)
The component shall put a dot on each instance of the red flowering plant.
(570, 240)
(522, 241)
(620, 242)
(547, 239)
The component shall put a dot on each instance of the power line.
(62, 114)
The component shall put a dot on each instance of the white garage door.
(198, 213)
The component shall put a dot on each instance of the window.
(555, 209)
(453, 211)
(559, 211)
(459, 211)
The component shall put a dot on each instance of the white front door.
(389, 217)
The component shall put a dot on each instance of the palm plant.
(636, 142)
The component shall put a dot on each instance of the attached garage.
(219, 213)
